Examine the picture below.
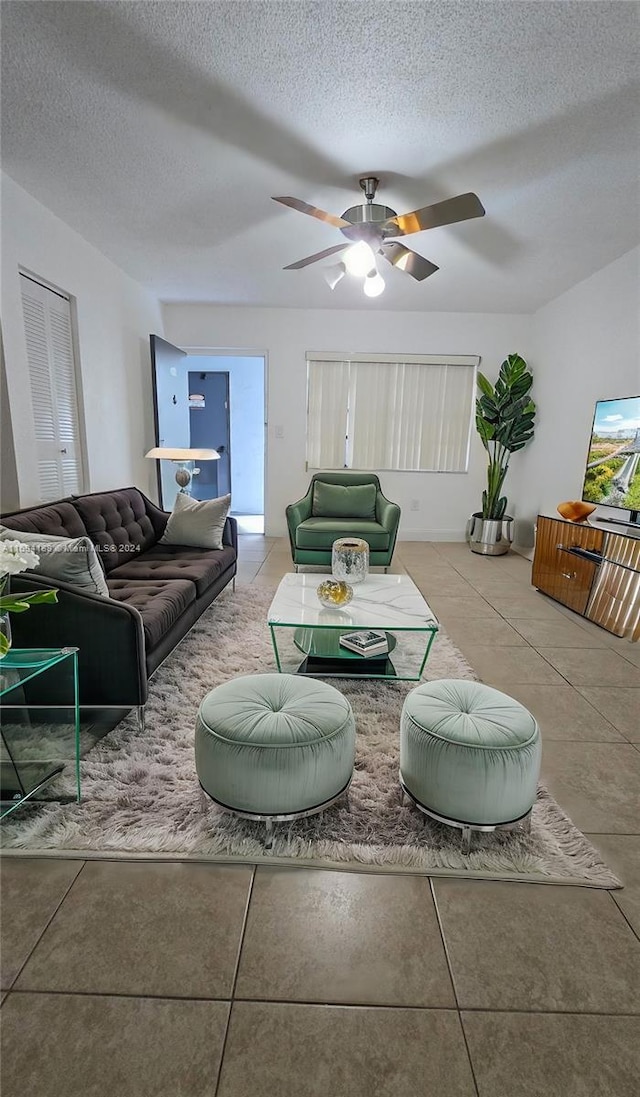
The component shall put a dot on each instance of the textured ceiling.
(159, 131)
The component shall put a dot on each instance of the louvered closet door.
(47, 322)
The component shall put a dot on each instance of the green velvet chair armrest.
(297, 513)
(387, 513)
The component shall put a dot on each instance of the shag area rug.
(141, 798)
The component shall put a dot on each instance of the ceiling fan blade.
(318, 255)
(313, 211)
(405, 259)
(461, 208)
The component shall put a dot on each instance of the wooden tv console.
(592, 569)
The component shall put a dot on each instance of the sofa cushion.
(160, 603)
(320, 533)
(118, 524)
(200, 566)
(58, 520)
(63, 559)
(340, 501)
(197, 522)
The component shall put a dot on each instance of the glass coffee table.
(306, 636)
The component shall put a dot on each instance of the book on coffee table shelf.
(365, 642)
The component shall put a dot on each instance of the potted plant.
(15, 558)
(504, 421)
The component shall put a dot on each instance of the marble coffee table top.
(381, 602)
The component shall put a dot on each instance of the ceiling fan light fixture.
(359, 259)
(333, 274)
(374, 284)
(369, 228)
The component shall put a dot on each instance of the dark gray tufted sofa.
(156, 592)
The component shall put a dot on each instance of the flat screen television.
(612, 476)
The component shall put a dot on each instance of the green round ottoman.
(275, 746)
(469, 755)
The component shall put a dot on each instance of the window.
(410, 412)
(54, 397)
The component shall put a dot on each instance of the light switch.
(278, 432)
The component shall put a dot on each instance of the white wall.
(115, 316)
(586, 347)
(284, 335)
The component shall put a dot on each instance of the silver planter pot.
(488, 536)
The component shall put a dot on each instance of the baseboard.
(432, 535)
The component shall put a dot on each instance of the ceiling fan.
(368, 229)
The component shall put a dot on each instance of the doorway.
(209, 429)
(245, 376)
(190, 393)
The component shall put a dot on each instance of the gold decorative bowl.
(332, 593)
(576, 511)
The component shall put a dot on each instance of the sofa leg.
(296, 567)
(466, 839)
(268, 836)
(233, 585)
(386, 570)
(140, 715)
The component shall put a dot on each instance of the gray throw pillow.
(197, 523)
(72, 560)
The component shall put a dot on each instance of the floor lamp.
(182, 457)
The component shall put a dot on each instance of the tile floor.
(194, 980)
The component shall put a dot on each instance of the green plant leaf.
(522, 385)
(485, 430)
(37, 597)
(19, 603)
(484, 385)
(4, 644)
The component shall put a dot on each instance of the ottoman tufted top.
(470, 714)
(274, 710)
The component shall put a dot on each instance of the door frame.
(245, 352)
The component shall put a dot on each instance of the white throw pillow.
(71, 560)
(197, 523)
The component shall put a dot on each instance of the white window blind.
(327, 414)
(390, 412)
(54, 397)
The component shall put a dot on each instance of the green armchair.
(342, 504)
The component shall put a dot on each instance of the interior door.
(170, 410)
(209, 429)
(54, 395)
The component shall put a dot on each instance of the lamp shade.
(171, 453)
(333, 274)
(359, 259)
(373, 284)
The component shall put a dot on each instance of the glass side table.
(39, 726)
